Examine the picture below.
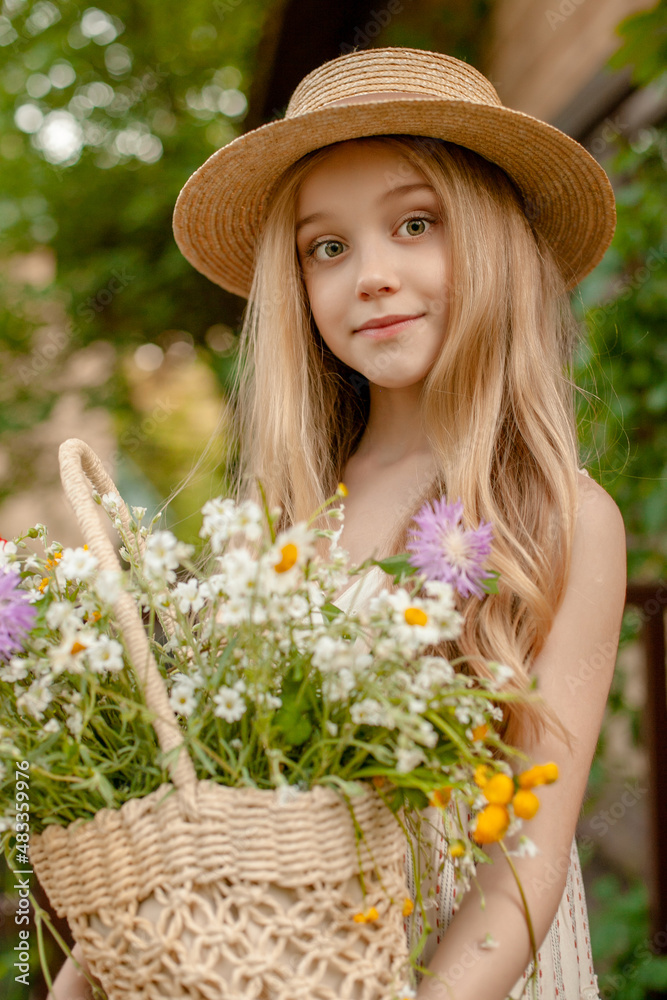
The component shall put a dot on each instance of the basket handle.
(80, 468)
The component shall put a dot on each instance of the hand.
(70, 984)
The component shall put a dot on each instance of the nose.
(377, 273)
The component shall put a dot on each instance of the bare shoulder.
(599, 557)
(598, 512)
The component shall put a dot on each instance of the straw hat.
(567, 195)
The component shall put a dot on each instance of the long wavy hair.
(497, 404)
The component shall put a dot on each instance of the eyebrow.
(401, 189)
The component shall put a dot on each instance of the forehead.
(363, 161)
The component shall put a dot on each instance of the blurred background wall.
(106, 333)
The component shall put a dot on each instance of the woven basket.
(205, 891)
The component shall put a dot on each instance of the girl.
(406, 244)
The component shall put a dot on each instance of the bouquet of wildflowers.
(275, 687)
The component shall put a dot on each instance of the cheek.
(325, 301)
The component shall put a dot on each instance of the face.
(377, 248)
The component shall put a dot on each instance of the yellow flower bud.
(492, 823)
(550, 771)
(482, 772)
(526, 804)
(457, 849)
(532, 777)
(499, 789)
(440, 796)
(415, 616)
(480, 732)
(289, 555)
(408, 907)
(342, 489)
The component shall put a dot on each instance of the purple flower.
(444, 550)
(16, 613)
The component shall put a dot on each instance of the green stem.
(531, 930)
(42, 917)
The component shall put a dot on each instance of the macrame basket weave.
(205, 891)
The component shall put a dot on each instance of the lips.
(381, 321)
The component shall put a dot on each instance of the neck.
(394, 432)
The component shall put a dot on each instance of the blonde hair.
(497, 405)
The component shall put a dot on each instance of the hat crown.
(372, 71)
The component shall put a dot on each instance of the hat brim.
(568, 196)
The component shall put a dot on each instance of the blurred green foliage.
(624, 363)
(103, 116)
(627, 955)
(623, 371)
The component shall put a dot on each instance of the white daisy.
(368, 712)
(7, 550)
(15, 670)
(182, 698)
(267, 700)
(218, 516)
(186, 596)
(111, 503)
(61, 615)
(230, 706)
(105, 655)
(76, 564)
(337, 686)
(36, 699)
(502, 673)
(163, 554)
(107, 586)
(527, 848)
(75, 720)
(407, 760)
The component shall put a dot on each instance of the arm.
(574, 672)
(70, 984)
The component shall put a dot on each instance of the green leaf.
(397, 566)
(330, 611)
(416, 798)
(292, 723)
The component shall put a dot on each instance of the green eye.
(310, 251)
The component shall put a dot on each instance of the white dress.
(565, 960)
